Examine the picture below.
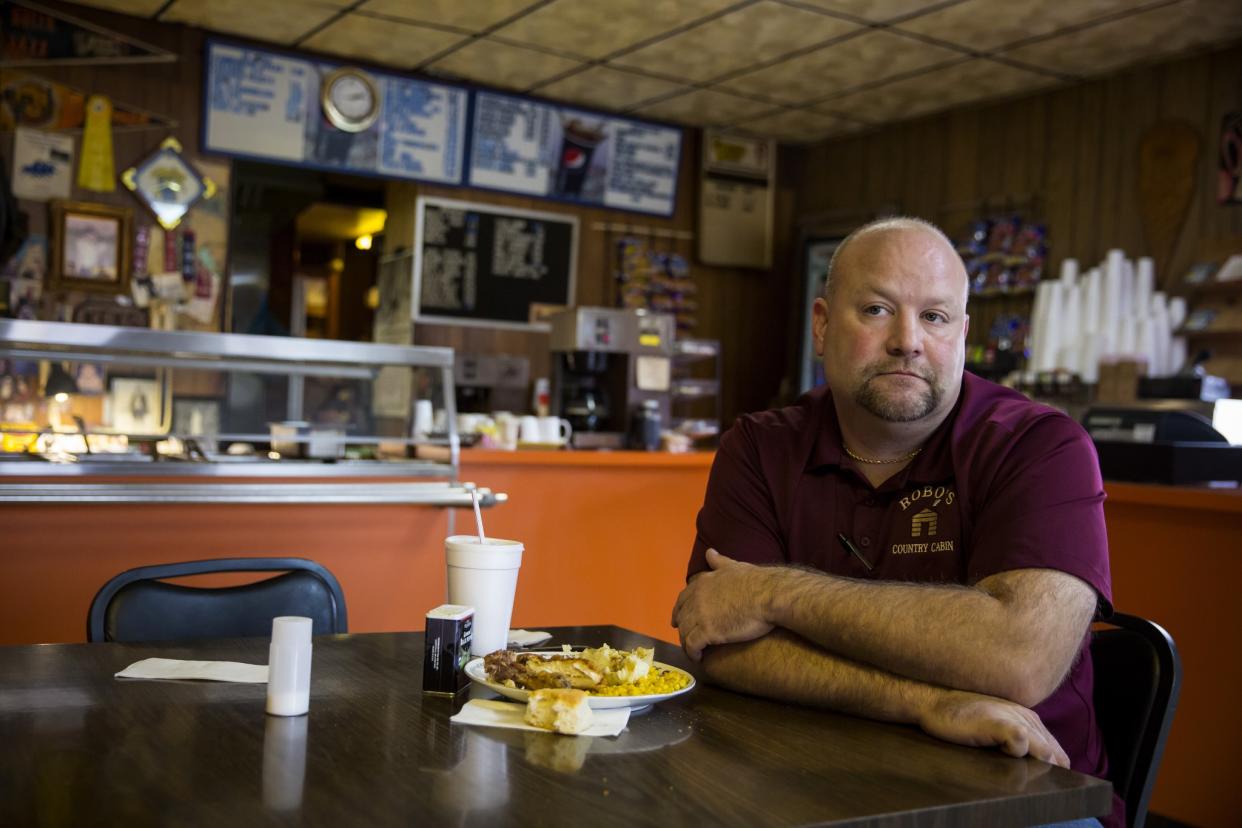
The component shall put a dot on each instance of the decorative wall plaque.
(168, 184)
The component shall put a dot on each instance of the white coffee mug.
(507, 429)
(528, 429)
(484, 576)
(554, 430)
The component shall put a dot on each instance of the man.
(909, 542)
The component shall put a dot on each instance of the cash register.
(1171, 442)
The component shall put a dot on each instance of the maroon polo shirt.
(1002, 484)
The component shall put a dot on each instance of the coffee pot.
(645, 427)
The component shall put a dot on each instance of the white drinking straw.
(478, 516)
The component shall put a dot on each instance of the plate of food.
(611, 678)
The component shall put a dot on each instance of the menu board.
(266, 105)
(481, 264)
(542, 149)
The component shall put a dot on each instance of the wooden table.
(81, 747)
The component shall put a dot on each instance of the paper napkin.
(527, 638)
(172, 668)
(505, 714)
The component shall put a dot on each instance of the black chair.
(137, 606)
(1138, 676)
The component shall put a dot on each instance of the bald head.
(873, 231)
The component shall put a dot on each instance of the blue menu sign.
(266, 105)
(542, 149)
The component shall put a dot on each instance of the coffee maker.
(605, 363)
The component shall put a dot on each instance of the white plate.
(475, 670)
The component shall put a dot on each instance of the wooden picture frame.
(91, 247)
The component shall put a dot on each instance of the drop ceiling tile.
(875, 11)
(963, 83)
(985, 24)
(798, 126)
(502, 65)
(401, 45)
(140, 8)
(735, 41)
(838, 67)
(1145, 36)
(607, 88)
(272, 22)
(473, 15)
(594, 29)
(704, 107)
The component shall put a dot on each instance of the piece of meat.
(504, 665)
(532, 671)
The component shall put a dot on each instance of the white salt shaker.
(288, 666)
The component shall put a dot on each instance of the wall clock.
(350, 99)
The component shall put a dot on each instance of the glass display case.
(105, 413)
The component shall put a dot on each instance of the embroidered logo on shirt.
(926, 518)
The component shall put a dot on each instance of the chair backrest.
(1138, 676)
(138, 606)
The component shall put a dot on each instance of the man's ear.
(819, 324)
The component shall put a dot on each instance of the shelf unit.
(696, 379)
(1223, 334)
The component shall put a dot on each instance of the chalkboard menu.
(537, 148)
(480, 264)
(266, 105)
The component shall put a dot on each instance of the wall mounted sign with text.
(487, 265)
(537, 148)
(272, 106)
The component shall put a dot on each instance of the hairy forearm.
(783, 666)
(955, 636)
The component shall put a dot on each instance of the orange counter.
(607, 537)
(1176, 557)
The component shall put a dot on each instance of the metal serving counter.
(362, 395)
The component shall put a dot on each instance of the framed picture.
(90, 247)
(134, 406)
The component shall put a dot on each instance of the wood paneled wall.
(1067, 156)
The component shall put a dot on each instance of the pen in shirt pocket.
(853, 550)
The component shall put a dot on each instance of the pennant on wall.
(33, 35)
(31, 101)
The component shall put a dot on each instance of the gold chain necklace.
(901, 459)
